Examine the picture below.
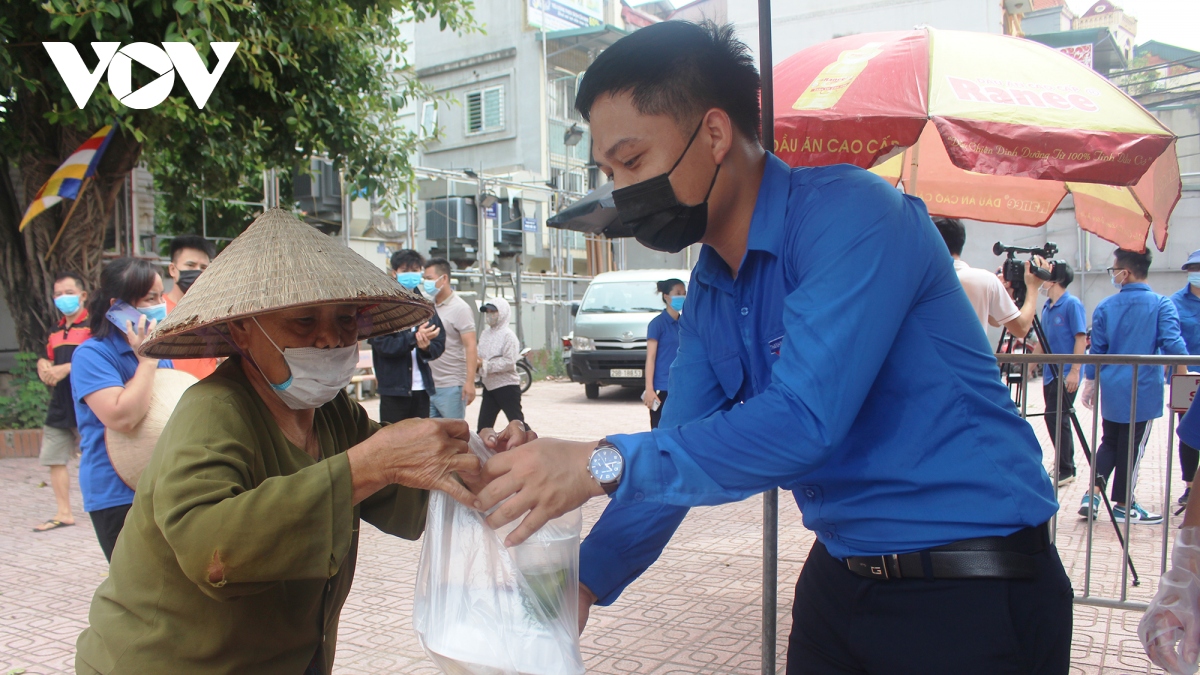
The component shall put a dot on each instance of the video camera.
(1013, 270)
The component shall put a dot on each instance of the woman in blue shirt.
(662, 343)
(111, 386)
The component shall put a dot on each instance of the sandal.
(53, 525)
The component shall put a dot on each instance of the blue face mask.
(430, 287)
(409, 280)
(69, 304)
(1193, 279)
(677, 302)
(157, 312)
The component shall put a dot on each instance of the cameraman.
(1065, 325)
(992, 302)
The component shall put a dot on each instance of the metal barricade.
(1088, 596)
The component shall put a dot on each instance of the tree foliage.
(310, 78)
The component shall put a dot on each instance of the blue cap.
(1193, 259)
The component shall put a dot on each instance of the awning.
(587, 38)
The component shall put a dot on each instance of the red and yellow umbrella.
(981, 126)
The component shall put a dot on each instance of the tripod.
(1006, 370)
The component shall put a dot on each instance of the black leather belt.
(1008, 557)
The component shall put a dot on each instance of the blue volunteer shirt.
(1062, 321)
(845, 364)
(100, 363)
(1187, 305)
(1134, 321)
(1189, 427)
(666, 330)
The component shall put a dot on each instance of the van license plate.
(617, 372)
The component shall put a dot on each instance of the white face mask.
(317, 375)
(493, 319)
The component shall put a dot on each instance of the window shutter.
(493, 108)
(474, 112)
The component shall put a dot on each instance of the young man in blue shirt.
(826, 347)
(1187, 304)
(1065, 326)
(1134, 321)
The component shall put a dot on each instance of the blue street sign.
(493, 211)
(529, 224)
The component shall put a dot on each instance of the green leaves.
(26, 408)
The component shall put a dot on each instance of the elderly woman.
(240, 547)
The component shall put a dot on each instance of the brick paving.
(695, 611)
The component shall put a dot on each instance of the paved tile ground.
(696, 611)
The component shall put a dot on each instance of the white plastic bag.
(484, 609)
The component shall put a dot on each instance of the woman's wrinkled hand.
(420, 453)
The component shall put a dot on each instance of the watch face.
(606, 465)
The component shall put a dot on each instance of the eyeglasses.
(1112, 270)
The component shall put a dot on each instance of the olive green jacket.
(238, 552)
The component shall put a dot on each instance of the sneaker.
(1089, 505)
(1182, 501)
(1137, 515)
(1065, 479)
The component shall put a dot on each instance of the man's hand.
(1072, 383)
(1032, 281)
(468, 393)
(586, 599)
(547, 478)
(43, 371)
(649, 397)
(516, 433)
(417, 453)
(425, 334)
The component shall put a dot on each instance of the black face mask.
(657, 219)
(186, 279)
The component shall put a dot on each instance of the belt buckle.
(868, 565)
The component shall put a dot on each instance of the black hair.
(1138, 264)
(953, 233)
(668, 285)
(1063, 274)
(68, 274)
(407, 258)
(194, 242)
(440, 264)
(680, 69)
(128, 279)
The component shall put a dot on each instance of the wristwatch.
(606, 466)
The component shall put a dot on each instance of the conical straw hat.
(280, 262)
(130, 452)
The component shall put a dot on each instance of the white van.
(609, 342)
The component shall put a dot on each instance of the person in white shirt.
(987, 293)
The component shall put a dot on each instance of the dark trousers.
(656, 415)
(843, 624)
(507, 398)
(1054, 421)
(108, 524)
(1112, 457)
(396, 408)
(1189, 459)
